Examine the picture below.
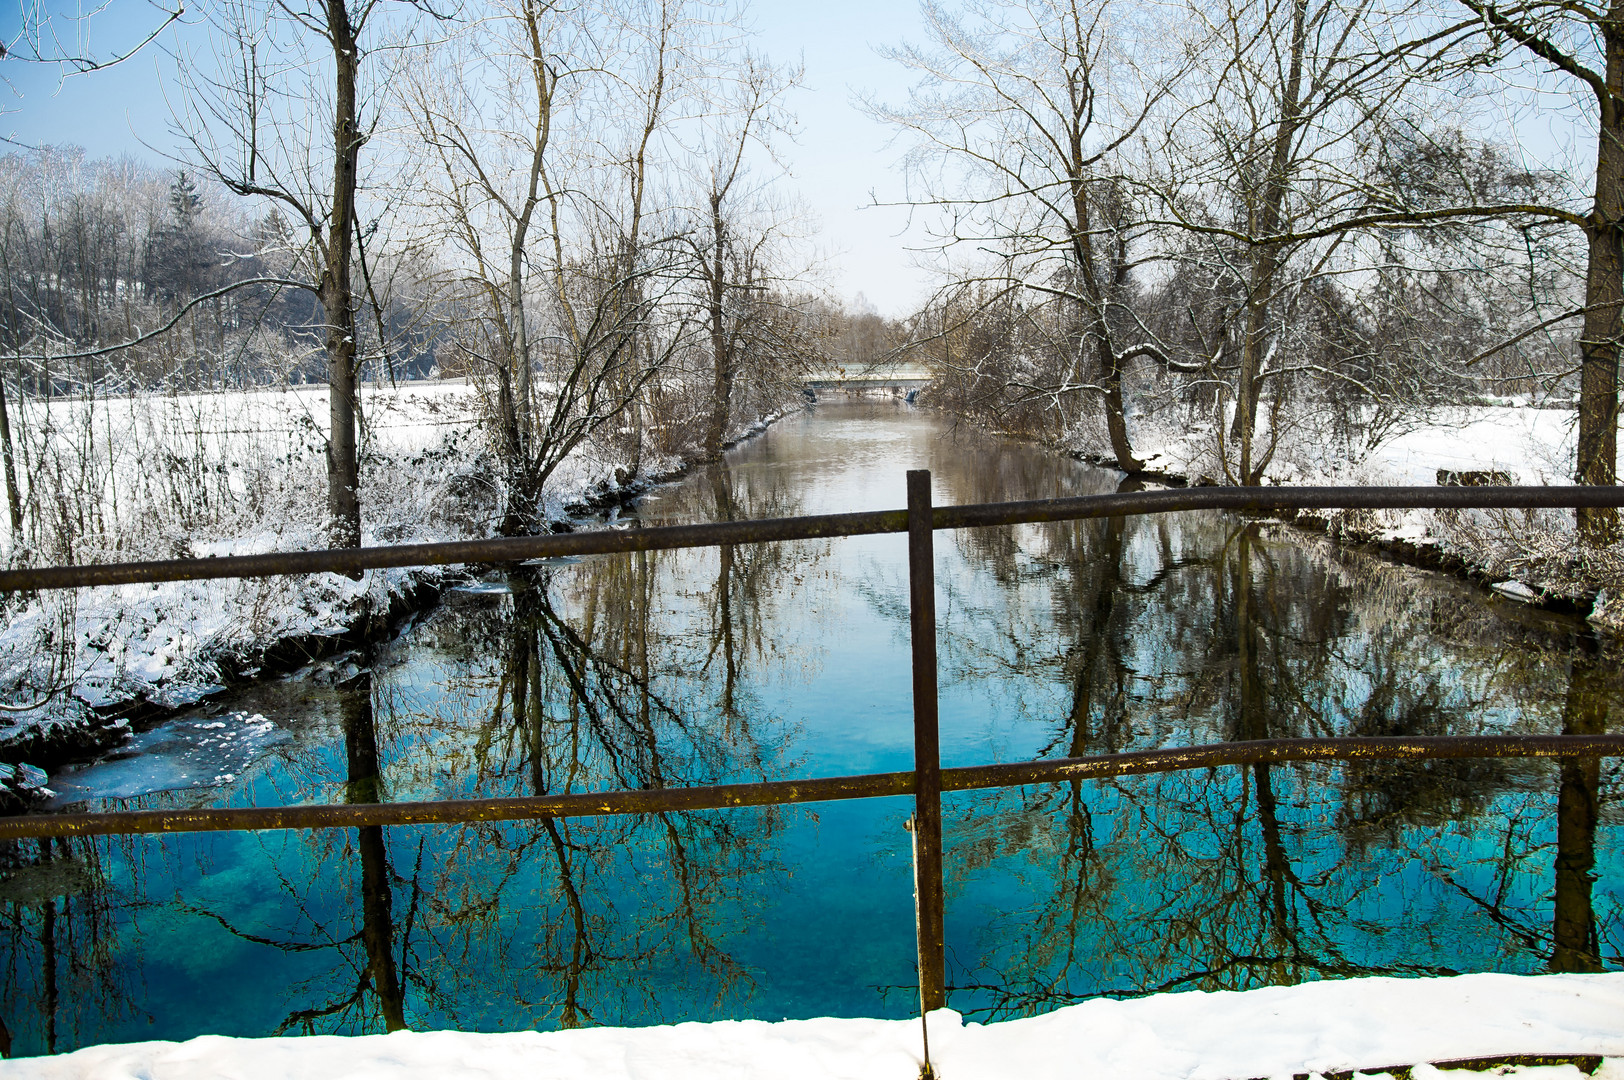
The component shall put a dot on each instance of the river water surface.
(791, 660)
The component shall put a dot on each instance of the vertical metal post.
(927, 746)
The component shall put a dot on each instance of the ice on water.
(191, 751)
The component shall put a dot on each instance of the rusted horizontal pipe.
(827, 789)
(1212, 755)
(768, 530)
(1276, 498)
(453, 811)
(494, 550)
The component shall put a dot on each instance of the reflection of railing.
(927, 780)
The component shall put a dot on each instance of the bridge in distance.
(903, 378)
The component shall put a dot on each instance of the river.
(791, 660)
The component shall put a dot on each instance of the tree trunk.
(1604, 299)
(514, 516)
(524, 485)
(1093, 308)
(1266, 221)
(721, 350)
(337, 298)
(519, 412)
(14, 502)
(1116, 419)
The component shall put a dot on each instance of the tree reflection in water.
(553, 923)
(1575, 946)
(1262, 875)
(583, 910)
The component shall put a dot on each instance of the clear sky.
(839, 160)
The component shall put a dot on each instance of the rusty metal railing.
(770, 530)
(927, 780)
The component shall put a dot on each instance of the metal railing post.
(927, 836)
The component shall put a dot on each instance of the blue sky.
(838, 160)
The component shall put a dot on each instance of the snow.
(180, 753)
(237, 473)
(1532, 555)
(1530, 445)
(403, 416)
(1279, 1031)
(1516, 590)
(174, 643)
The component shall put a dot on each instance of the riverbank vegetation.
(1256, 243)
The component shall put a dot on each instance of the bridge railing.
(927, 780)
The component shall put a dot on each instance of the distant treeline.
(95, 254)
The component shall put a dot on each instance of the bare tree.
(1020, 120)
(44, 36)
(738, 228)
(57, 39)
(543, 216)
(1582, 45)
(279, 74)
(1277, 173)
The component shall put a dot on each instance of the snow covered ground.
(1527, 555)
(1315, 1029)
(1531, 445)
(167, 476)
(214, 474)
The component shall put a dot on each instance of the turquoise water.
(706, 666)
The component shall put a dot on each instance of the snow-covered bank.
(1533, 556)
(216, 475)
(1526, 445)
(87, 659)
(1316, 1028)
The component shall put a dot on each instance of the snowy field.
(402, 415)
(1316, 1029)
(1531, 446)
(136, 476)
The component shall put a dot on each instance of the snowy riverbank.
(1532, 556)
(1315, 1029)
(89, 660)
(1525, 444)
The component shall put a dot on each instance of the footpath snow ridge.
(1271, 1032)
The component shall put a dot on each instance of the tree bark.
(514, 520)
(1604, 297)
(334, 289)
(13, 497)
(721, 346)
(1093, 301)
(523, 489)
(1266, 221)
